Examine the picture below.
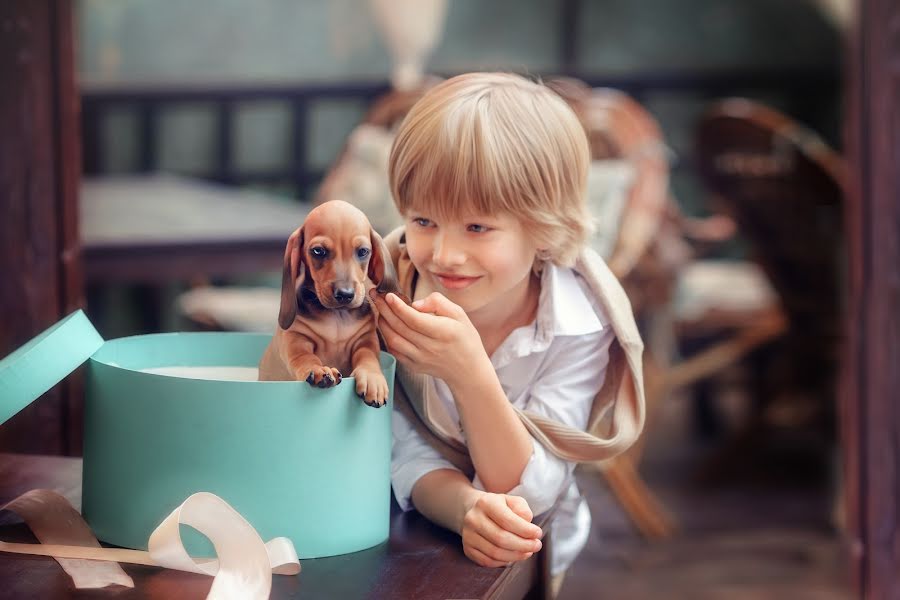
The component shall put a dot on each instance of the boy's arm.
(486, 522)
(444, 496)
(435, 336)
(498, 442)
(411, 459)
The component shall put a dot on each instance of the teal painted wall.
(313, 40)
(244, 40)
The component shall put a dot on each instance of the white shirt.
(553, 367)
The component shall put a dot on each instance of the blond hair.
(494, 143)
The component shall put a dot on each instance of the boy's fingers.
(396, 342)
(495, 553)
(510, 521)
(505, 539)
(414, 317)
(410, 316)
(402, 357)
(388, 315)
(483, 559)
(437, 304)
(381, 307)
(520, 507)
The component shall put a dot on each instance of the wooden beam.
(871, 379)
(39, 172)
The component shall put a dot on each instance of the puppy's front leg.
(306, 366)
(371, 385)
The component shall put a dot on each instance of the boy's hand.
(432, 336)
(497, 530)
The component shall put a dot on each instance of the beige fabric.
(622, 392)
(54, 522)
(243, 567)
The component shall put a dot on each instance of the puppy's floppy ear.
(292, 276)
(381, 269)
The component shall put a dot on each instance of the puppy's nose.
(343, 295)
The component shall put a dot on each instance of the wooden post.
(871, 378)
(39, 173)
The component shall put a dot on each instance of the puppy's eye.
(362, 252)
(318, 252)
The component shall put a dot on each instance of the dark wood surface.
(871, 425)
(163, 228)
(420, 560)
(39, 160)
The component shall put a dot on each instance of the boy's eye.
(421, 222)
(318, 252)
(362, 252)
(476, 228)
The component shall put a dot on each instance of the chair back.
(624, 136)
(784, 188)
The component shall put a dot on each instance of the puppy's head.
(328, 260)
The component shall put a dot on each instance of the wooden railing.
(799, 87)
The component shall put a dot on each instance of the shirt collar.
(564, 308)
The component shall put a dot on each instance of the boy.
(519, 338)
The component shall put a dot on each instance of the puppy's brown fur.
(326, 326)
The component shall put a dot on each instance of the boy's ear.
(381, 270)
(293, 275)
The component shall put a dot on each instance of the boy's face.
(482, 263)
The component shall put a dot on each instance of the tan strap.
(58, 526)
(458, 458)
(593, 445)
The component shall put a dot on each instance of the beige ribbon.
(243, 569)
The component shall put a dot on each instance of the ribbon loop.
(242, 570)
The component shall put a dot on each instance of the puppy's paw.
(372, 387)
(324, 377)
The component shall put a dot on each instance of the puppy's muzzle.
(343, 294)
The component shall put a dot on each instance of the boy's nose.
(448, 252)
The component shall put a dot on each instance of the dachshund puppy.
(326, 325)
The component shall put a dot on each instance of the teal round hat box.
(309, 464)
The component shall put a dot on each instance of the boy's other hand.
(497, 530)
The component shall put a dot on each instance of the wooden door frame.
(40, 257)
(870, 422)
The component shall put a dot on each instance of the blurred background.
(209, 128)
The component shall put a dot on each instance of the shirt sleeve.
(411, 458)
(563, 390)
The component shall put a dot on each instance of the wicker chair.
(784, 187)
(656, 253)
(624, 137)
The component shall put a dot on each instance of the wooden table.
(420, 560)
(162, 228)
